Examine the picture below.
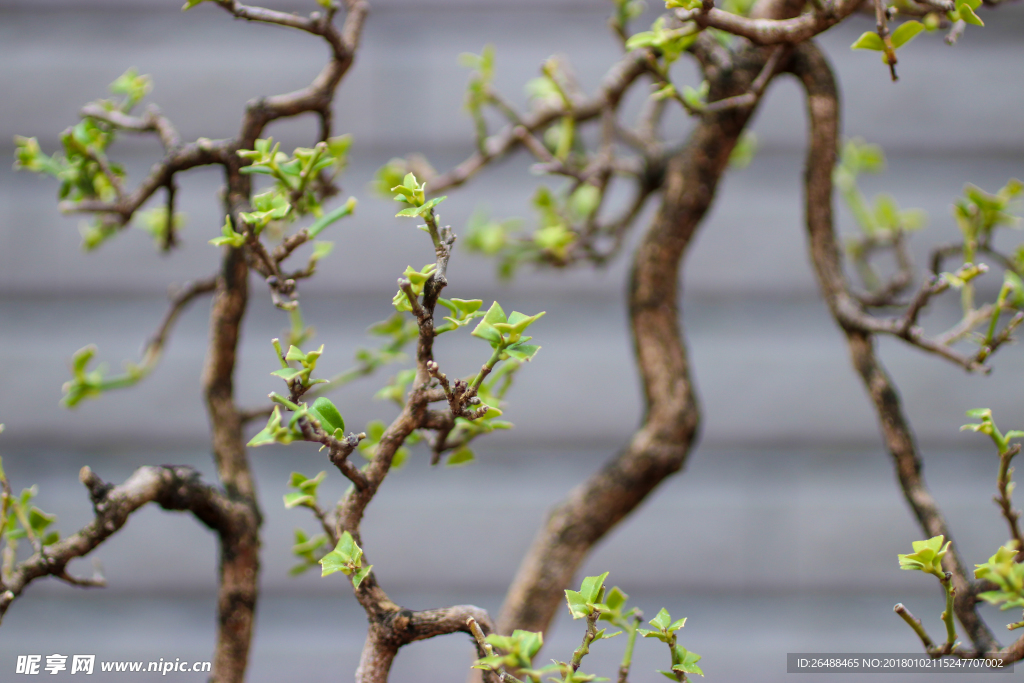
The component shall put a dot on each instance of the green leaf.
(495, 315)
(662, 620)
(288, 374)
(638, 40)
(968, 15)
(584, 201)
(333, 562)
(1008, 574)
(591, 587)
(39, 520)
(869, 40)
(687, 661)
(358, 577)
(697, 97)
(927, 556)
(577, 604)
(326, 413)
(615, 599)
(346, 557)
(230, 237)
(905, 33)
(744, 151)
(462, 456)
(268, 434)
(660, 635)
(522, 351)
(298, 498)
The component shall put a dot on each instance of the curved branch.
(172, 488)
(403, 626)
(317, 96)
(613, 86)
(152, 121)
(202, 152)
(773, 31)
(179, 302)
(815, 75)
(662, 443)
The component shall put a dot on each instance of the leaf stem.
(627, 656)
(915, 624)
(947, 615)
(584, 649)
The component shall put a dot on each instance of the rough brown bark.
(173, 488)
(661, 444)
(815, 74)
(239, 542)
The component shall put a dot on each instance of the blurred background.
(781, 534)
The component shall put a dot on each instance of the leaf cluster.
(1006, 572)
(927, 557)
(347, 558)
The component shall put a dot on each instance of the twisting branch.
(318, 95)
(339, 450)
(203, 152)
(152, 121)
(883, 295)
(661, 445)
(170, 233)
(751, 97)
(773, 31)
(402, 626)
(172, 488)
(812, 70)
(613, 86)
(179, 302)
(1003, 498)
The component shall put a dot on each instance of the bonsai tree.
(275, 201)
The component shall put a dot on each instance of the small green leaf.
(358, 577)
(615, 599)
(869, 40)
(662, 620)
(288, 374)
(968, 15)
(346, 557)
(687, 661)
(577, 604)
(904, 33)
(645, 633)
(591, 587)
(332, 562)
(39, 520)
(298, 498)
(326, 413)
(268, 434)
(927, 556)
(462, 456)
